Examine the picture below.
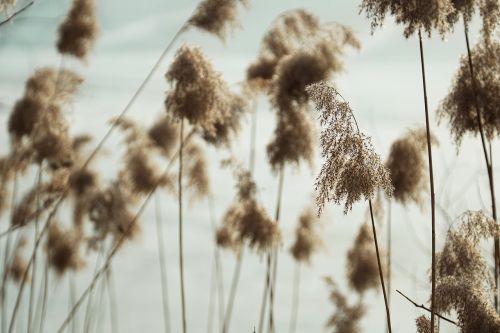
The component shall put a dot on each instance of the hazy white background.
(383, 84)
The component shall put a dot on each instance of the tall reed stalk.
(487, 159)
(431, 180)
(239, 258)
(217, 262)
(110, 283)
(381, 274)
(33, 267)
(274, 258)
(163, 265)
(389, 255)
(181, 252)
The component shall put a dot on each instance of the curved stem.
(431, 181)
(19, 11)
(112, 301)
(388, 313)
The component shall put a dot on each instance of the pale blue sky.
(383, 84)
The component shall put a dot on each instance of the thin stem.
(72, 298)
(217, 262)
(263, 305)
(232, 292)
(295, 298)
(19, 11)
(6, 262)
(431, 180)
(389, 255)
(163, 262)
(43, 311)
(487, 159)
(211, 299)
(272, 288)
(119, 242)
(421, 306)
(112, 300)
(380, 273)
(33, 267)
(181, 253)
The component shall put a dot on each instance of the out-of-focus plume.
(307, 239)
(63, 249)
(78, 31)
(346, 318)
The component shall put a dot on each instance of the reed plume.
(424, 325)
(352, 169)
(362, 269)
(421, 15)
(164, 133)
(458, 107)
(63, 249)
(246, 222)
(346, 318)
(465, 283)
(406, 165)
(307, 238)
(197, 178)
(217, 17)
(7, 5)
(489, 10)
(78, 32)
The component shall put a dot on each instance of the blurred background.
(382, 83)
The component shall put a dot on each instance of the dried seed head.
(246, 221)
(198, 182)
(352, 169)
(227, 126)
(78, 32)
(407, 166)
(19, 264)
(40, 198)
(415, 15)
(217, 17)
(199, 93)
(226, 238)
(140, 173)
(63, 249)
(424, 325)
(362, 268)
(465, 9)
(346, 318)
(307, 239)
(292, 141)
(164, 133)
(109, 210)
(7, 5)
(458, 108)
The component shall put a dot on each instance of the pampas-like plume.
(109, 211)
(292, 141)
(47, 193)
(246, 221)
(288, 33)
(488, 9)
(307, 239)
(227, 127)
(315, 61)
(362, 269)
(63, 249)
(217, 17)
(19, 264)
(352, 169)
(458, 108)
(424, 325)
(199, 93)
(78, 32)
(407, 166)
(164, 133)
(346, 318)
(45, 93)
(6, 5)
(415, 15)
(195, 164)
(465, 283)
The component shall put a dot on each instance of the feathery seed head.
(307, 239)
(79, 30)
